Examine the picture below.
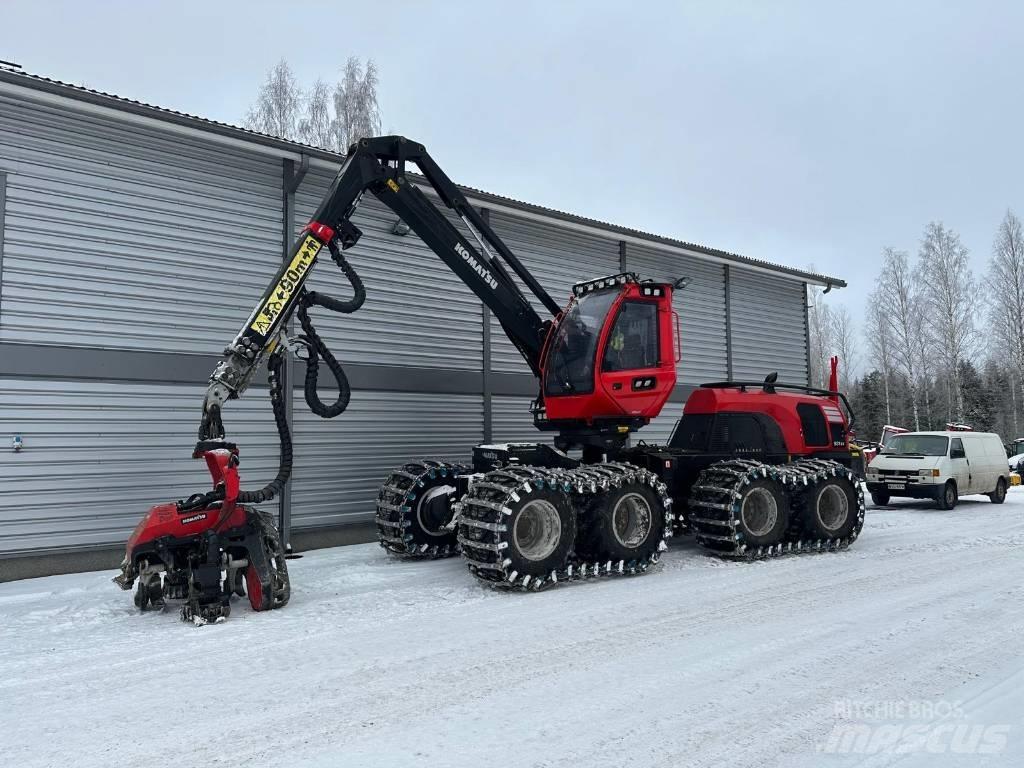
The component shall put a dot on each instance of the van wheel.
(998, 496)
(949, 497)
(879, 498)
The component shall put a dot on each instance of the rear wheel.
(763, 513)
(998, 496)
(948, 496)
(829, 509)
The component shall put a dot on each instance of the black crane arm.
(378, 165)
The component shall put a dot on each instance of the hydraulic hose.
(212, 426)
(317, 348)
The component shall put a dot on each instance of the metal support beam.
(728, 324)
(807, 334)
(488, 394)
(622, 256)
(3, 209)
(290, 180)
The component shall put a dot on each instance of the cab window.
(570, 366)
(633, 343)
(956, 449)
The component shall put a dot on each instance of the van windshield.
(917, 445)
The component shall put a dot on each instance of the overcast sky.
(785, 131)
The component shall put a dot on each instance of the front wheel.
(542, 529)
(948, 496)
(879, 498)
(998, 496)
(624, 524)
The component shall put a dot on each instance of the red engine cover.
(780, 406)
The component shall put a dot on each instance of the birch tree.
(844, 345)
(315, 123)
(356, 113)
(949, 296)
(896, 293)
(1006, 278)
(278, 104)
(880, 342)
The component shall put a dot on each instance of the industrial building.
(135, 240)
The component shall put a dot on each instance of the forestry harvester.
(753, 469)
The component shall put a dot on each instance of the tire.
(880, 498)
(625, 523)
(427, 510)
(998, 496)
(829, 509)
(275, 590)
(948, 497)
(763, 515)
(541, 531)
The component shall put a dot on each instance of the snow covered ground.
(905, 650)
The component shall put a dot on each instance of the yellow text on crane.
(290, 280)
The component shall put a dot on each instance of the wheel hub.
(833, 507)
(631, 520)
(760, 512)
(538, 530)
(434, 511)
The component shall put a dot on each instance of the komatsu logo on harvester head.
(477, 266)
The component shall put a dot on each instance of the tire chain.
(267, 527)
(395, 507)
(483, 533)
(713, 509)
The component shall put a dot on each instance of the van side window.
(956, 449)
(812, 420)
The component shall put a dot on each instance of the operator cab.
(612, 355)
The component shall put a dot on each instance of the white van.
(941, 466)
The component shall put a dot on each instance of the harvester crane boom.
(377, 165)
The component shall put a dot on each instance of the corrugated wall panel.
(512, 422)
(660, 429)
(97, 456)
(125, 237)
(768, 327)
(340, 464)
(558, 257)
(417, 312)
(701, 309)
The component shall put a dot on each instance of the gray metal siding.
(115, 233)
(513, 421)
(558, 257)
(660, 429)
(97, 456)
(768, 327)
(340, 464)
(417, 312)
(700, 306)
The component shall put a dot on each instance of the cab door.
(960, 466)
(636, 372)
